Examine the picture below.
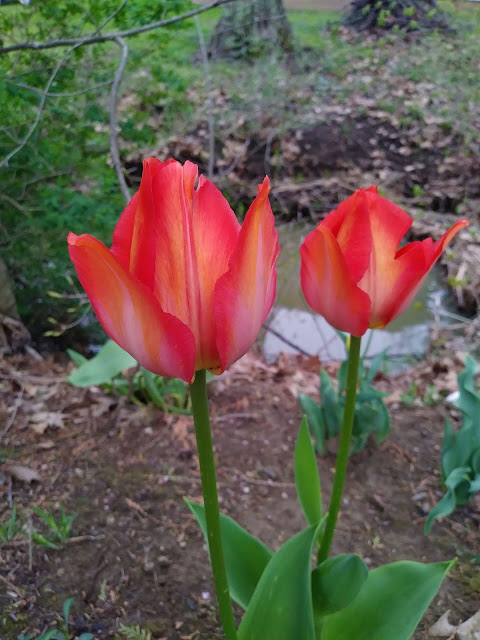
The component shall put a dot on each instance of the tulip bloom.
(184, 286)
(352, 271)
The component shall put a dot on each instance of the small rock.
(164, 561)
(148, 566)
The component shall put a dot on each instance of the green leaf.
(245, 556)
(330, 405)
(461, 445)
(51, 634)
(459, 478)
(281, 607)
(342, 377)
(336, 583)
(469, 400)
(382, 424)
(307, 479)
(67, 605)
(102, 368)
(475, 461)
(315, 421)
(375, 366)
(390, 604)
(77, 358)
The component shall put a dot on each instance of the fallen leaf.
(468, 630)
(24, 474)
(181, 431)
(44, 419)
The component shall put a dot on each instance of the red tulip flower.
(184, 286)
(352, 270)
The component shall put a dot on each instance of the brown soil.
(137, 556)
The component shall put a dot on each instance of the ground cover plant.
(371, 415)
(124, 469)
(461, 449)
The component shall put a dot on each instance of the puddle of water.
(406, 336)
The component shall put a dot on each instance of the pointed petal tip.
(72, 238)
(265, 185)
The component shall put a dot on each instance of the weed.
(109, 369)
(61, 630)
(10, 528)
(59, 529)
(410, 396)
(371, 415)
(134, 633)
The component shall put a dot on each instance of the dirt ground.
(137, 556)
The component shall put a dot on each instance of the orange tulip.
(352, 271)
(184, 287)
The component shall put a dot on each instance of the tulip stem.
(201, 419)
(343, 448)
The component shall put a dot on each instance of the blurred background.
(322, 97)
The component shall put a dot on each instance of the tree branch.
(113, 119)
(91, 39)
(64, 94)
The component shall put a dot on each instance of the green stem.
(201, 419)
(343, 448)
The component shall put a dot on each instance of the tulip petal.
(402, 277)
(328, 286)
(134, 234)
(244, 296)
(350, 225)
(215, 230)
(129, 312)
(195, 234)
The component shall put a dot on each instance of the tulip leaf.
(102, 368)
(245, 556)
(76, 357)
(458, 485)
(390, 604)
(336, 582)
(315, 421)
(307, 479)
(281, 607)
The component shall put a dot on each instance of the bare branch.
(65, 94)
(91, 39)
(113, 118)
(111, 17)
(209, 101)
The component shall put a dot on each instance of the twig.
(268, 148)
(286, 340)
(113, 119)
(15, 204)
(65, 94)
(111, 17)
(234, 416)
(208, 100)
(18, 401)
(91, 39)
